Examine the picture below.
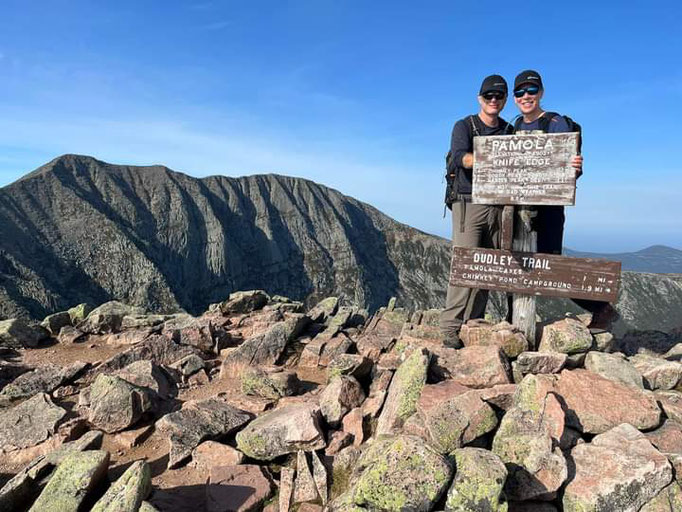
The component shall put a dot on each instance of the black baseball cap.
(493, 83)
(528, 77)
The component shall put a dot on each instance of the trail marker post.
(519, 172)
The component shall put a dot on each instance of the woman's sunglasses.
(488, 96)
(532, 90)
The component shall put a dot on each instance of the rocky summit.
(79, 231)
(260, 403)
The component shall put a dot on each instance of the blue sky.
(360, 96)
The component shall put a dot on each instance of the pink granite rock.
(475, 367)
(237, 488)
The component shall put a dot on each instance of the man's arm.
(460, 145)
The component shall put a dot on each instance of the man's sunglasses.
(488, 96)
(531, 90)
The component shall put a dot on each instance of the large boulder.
(528, 440)
(540, 362)
(273, 382)
(244, 302)
(195, 332)
(475, 367)
(116, 404)
(667, 438)
(342, 394)
(619, 470)
(264, 349)
(479, 482)
(454, 415)
(503, 335)
(614, 367)
(403, 392)
(196, 422)
(568, 336)
(54, 323)
(668, 500)
(80, 312)
(17, 333)
(324, 309)
(29, 423)
(44, 379)
(128, 492)
(108, 317)
(658, 373)
(400, 473)
(285, 430)
(148, 375)
(595, 404)
(241, 488)
(77, 475)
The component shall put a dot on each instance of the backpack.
(543, 123)
(452, 171)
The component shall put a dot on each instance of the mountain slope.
(655, 259)
(79, 229)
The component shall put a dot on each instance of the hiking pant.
(473, 225)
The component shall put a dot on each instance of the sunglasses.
(488, 96)
(532, 90)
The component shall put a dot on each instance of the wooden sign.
(529, 169)
(535, 273)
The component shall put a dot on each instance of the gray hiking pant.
(473, 225)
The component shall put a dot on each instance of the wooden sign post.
(527, 170)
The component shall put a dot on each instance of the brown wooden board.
(525, 169)
(535, 273)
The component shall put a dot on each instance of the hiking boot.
(452, 340)
(603, 319)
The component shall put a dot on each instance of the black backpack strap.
(516, 123)
(545, 119)
(475, 130)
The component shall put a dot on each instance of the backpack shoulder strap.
(545, 119)
(473, 120)
(516, 123)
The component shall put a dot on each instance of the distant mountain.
(78, 229)
(657, 259)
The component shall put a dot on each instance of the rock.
(541, 362)
(478, 483)
(658, 373)
(286, 488)
(17, 333)
(400, 473)
(77, 474)
(338, 441)
(285, 430)
(377, 393)
(271, 383)
(671, 403)
(403, 392)
(78, 313)
(116, 404)
(128, 492)
(619, 470)
(191, 331)
(334, 347)
(454, 421)
(244, 302)
(324, 309)
(196, 422)
(614, 367)
(304, 488)
(604, 341)
(595, 404)
(68, 335)
(108, 317)
(146, 374)
(667, 438)
(337, 322)
(568, 336)
(341, 395)
(44, 379)
(474, 367)
(353, 423)
(241, 488)
(263, 349)
(668, 500)
(54, 323)
(503, 335)
(189, 365)
(25, 485)
(29, 423)
(500, 396)
(160, 350)
(320, 477)
(309, 507)
(210, 454)
(528, 439)
(354, 365)
(147, 507)
(130, 438)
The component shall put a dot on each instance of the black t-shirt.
(462, 142)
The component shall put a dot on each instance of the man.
(473, 225)
(549, 222)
